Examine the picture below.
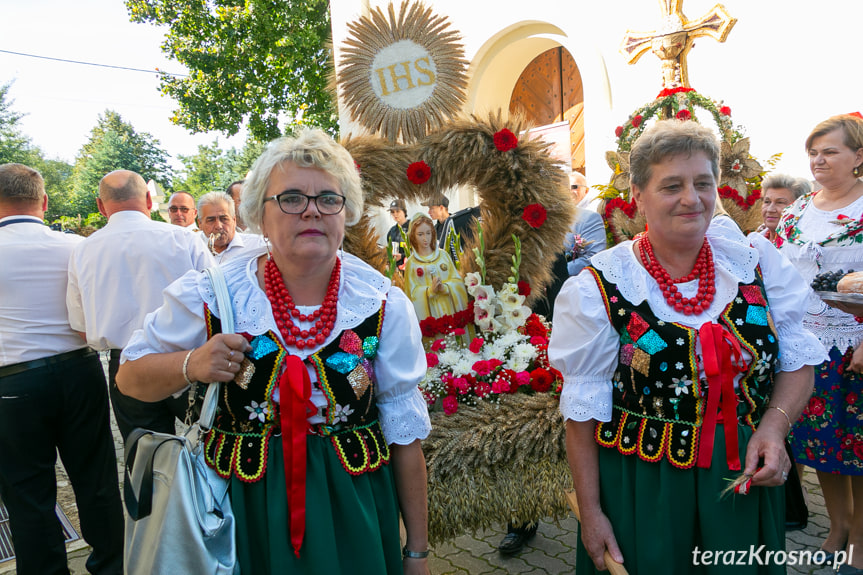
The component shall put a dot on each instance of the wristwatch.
(407, 553)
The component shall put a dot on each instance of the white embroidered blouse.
(400, 364)
(832, 326)
(584, 346)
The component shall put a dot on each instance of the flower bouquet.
(500, 427)
(574, 246)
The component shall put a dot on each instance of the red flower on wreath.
(618, 131)
(523, 288)
(669, 91)
(541, 380)
(535, 215)
(636, 121)
(725, 111)
(504, 140)
(683, 115)
(450, 404)
(419, 172)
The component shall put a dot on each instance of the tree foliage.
(265, 62)
(14, 145)
(115, 145)
(213, 169)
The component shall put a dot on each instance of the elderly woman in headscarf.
(684, 364)
(337, 357)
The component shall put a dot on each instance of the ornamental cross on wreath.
(672, 42)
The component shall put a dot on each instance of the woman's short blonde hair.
(669, 138)
(851, 126)
(310, 148)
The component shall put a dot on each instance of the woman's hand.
(598, 537)
(415, 566)
(766, 459)
(219, 359)
(856, 363)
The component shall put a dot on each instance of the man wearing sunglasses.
(181, 210)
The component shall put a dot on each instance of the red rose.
(535, 215)
(523, 288)
(431, 359)
(450, 404)
(420, 272)
(816, 406)
(636, 121)
(541, 380)
(684, 115)
(505, 140)
(851, 398)
(725, 111)
(419, 173)
(618, 131)
(476, 344)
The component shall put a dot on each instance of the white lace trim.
(798, 348)
(361, 290)
(586, 397)
(735, 262)
(831, 330)
(405, 420)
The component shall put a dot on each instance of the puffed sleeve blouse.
(584, 346)
(400, 363)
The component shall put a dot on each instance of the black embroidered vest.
(247, 418)
(658, 400)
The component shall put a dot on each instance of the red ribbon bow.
(295, 392)
(722, 361)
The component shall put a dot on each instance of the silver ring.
(231, 354)
(784, 476)
(229, 365)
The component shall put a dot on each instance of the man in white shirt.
(181, 210)
(116, 277)
(52, 393)
(218, 222)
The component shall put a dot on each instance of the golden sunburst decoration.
(404, 75)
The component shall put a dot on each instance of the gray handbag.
(179, 518)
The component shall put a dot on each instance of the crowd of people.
(690, 355)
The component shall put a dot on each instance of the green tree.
(115, 145)
(266, 62)
(14, 145)
(212, 168)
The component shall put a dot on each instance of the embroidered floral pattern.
(851, 232)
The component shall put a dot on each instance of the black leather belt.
(17, 368)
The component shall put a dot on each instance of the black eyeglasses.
(328, 203)
(574, 187)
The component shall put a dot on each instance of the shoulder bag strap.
(226, 315)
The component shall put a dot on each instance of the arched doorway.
(549, 90)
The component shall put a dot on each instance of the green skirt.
(352, 522)
(661, 515)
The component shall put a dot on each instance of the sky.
(790, 80)
(63, 101)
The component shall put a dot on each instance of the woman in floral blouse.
(823, 231)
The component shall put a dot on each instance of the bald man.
(116, 277)
(181, 210)
(52, 393)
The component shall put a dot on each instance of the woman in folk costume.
(822, 233)
(431, 279)
(322, 439)
(684, 364)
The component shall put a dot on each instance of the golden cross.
(673, 41)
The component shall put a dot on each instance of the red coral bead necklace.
(285, 310)
(704, 270)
